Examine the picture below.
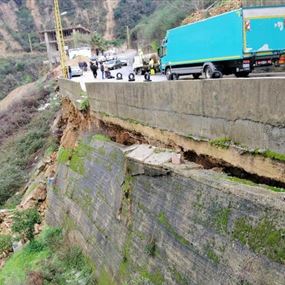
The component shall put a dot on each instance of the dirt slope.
(33, 7)
(110, 22)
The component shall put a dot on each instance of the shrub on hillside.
(15, 72)
(32, 140)
(5, 243)
(52, 237)
(50, 259)
(24, 221)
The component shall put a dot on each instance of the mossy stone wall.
(140, 222)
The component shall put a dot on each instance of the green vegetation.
(84, 105)
(24, 221)
(127, 188)
(274, 155)
(150, 248)
(19, 152)
(129, 13)
(64, 155)
(162, 219)
(149, 20)
(52, 260)
(105, 278)
(5, 243)
(150, 30)
(155, 277)
(102, 138)
(84, 102)
(242, 181)
(77, 11)
(263, 238)
(269, 154)
(227, 142)
(178, 276)
(221, 142)
(98, 42)
(16, 268)
(13, 201)
(78, 157)
(221, 219)
(15, 72)
(274, 189)
(251, 183)
(26, 29)
(75, 157)
(212, 255)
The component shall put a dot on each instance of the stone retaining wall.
(169, 224)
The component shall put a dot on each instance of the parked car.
(114, 64)
(124, 62)
(110, 57)
(76, 71)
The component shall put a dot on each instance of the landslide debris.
(222, 7)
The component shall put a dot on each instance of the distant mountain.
(147, 20)
(20, 19)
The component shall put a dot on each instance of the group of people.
(94, 66)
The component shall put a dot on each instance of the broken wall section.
(249, 112)
(138, 216)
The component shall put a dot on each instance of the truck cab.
(235, 42)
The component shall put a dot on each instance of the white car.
(76, 71)
(101, 58)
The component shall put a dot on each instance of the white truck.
(141, 63)
(84, 51)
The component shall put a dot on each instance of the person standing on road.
(93, 68)
(69, 72)
(151, 66)
(85, 66)
(107, 71)
(102, 69)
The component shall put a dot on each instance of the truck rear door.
(264, 29)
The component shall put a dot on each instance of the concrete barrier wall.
(249, 111)
(72, 90)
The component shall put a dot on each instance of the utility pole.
(30, 42)
(59, 38)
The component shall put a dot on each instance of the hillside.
(17, 71)
(19, 18)
(147, 19)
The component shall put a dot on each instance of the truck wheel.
(138, 71)
(208, 72)
(168, 74)
(196, 75)
(242, 74)
(175, 76)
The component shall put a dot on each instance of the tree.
(97, 41)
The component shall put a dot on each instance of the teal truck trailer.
(231, 43)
